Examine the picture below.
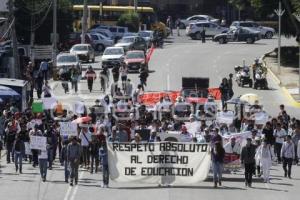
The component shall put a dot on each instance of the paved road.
(180, 57)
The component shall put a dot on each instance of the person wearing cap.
(248, 160)
(264, 157)
(185, 135)
(90, 75)
(73, 157)
(287, 154)
(279, 134)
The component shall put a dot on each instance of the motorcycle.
(243, 76)
(260, 80)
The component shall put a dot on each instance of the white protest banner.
(79, 107)
(225, 117)
(49, 103)
(261, 117)
(159, 163)
(68, 128)
(38, 142)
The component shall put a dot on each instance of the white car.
(266, 32)
(65, 61)
(85, 52)
(196, 18)
(147, 35)
(211, 29)
(100, 42)
(112, 56)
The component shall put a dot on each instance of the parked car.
(100, 42)
(147, 35)
(211, 29)
(266, 32)
(75, 38)
(104, 32)
(238, 35)
(132, 43)
(66, 61)
(117, 31)
(85, 52)
(135, 60)
(196, 18)
(112, 56)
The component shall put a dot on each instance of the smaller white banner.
(38, 142)
(68, 128)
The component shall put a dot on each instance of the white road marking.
(68, 193)
(76, 187)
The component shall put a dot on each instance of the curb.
(293, 102)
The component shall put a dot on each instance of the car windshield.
(135, 55)
(113, 52)
(144, 34)
(80, 48)
(127, 40)
(66, 59)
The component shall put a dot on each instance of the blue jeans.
(217, 170)
(105, 173)
(18, 161)
(67, 171)
(50, 157)
(43, 167)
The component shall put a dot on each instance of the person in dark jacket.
(73, 155)
(248, 160)
(94, 147)
(217, 155)
(115, 73)
(19, 151)
(143, 77)
(104, 158)
(90, 77)
(268, 133)
(65, 160)
(225, 92)
(203, 35)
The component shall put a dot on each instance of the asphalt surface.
(180, 57)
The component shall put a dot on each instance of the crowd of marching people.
(122, 117)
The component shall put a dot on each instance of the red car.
(75, 38)
(135, 60)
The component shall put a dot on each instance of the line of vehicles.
(130, 48)
(239, 31)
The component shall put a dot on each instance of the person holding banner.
(248, 160)
(264, 155)
(217, 155)
(104, 158)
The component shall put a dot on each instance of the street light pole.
(298, 18)
(54, 39)
(135, 5)
(279, 12)
(84, 22)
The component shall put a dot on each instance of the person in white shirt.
(279, 134)
(86, 138)
(185, 136)
(264, 156)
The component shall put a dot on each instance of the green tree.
(130, 20)
(240, 5)
(37, 15)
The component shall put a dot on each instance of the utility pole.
(135, 5)
(279, 12)
(54, 37)
(32, 36)
(298, 18)
(84, 22)
(15, 73)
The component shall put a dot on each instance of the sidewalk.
(288, 79)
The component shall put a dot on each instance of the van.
(117, 31)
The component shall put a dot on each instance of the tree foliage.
(37, 16)
(130, 20)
